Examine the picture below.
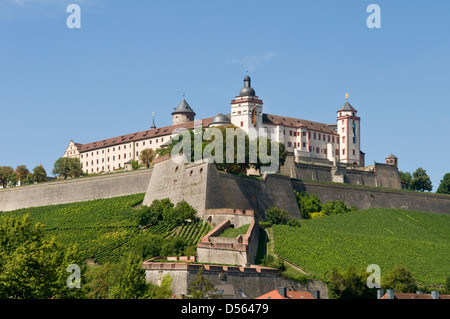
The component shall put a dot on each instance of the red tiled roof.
(143, 135)
(290, 294)
(297, 123)
(167, 130)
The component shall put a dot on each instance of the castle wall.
(254, 282)
(367, 197)
(76, 190)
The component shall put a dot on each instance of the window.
(92, 162)
(314, 135)
(143, 143)
(103, 151)
(162, 139)
(324, 150)
(87, 163)
(156, 140)
(309, 134)
(304, 133)
(343, 139)
(289, 144)
(310, 148)
(118, 157)
(124, 155)
(242, 124)
(317, 149)
(343, 129)
(119, 148)
(97, 161)
(319, 136)
(328, 138)
(87, 154)
(304, 144)
(97, 152)
(239, 112)
(290, 133)
(107, 159)
(103, 160)
(124, 147)
(354, 152)
(81, 155)
(343, 151)
(333, 139)
(336, 152)
(137, 144)
(137, 154)
(114, 158)
(114, 149)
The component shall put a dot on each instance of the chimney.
(390, 294)
(282, 291)
(315, 294)
(435, 294)
(380, 293)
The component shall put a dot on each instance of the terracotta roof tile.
(290, 294)
(297, 123)
(138, 136)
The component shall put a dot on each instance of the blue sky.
(132, 58)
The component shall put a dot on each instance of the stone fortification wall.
(236, 251)
(367, 197)
(203, 187)
(237, 217)
(323, 170)
(76, 190)
(253, 281)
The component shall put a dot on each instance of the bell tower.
(348, 126)
(246, 108)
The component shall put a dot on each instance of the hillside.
(387, 237)
(106, 229)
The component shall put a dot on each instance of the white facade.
(338, 142)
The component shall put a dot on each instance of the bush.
(277, 215)
(294, 222)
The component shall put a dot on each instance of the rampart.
(75, 190)
(254, 281)
(238, 251)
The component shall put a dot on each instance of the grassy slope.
(387, 237)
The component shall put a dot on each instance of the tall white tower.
(246, 108)
(348, 126)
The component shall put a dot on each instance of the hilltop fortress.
(323, 159)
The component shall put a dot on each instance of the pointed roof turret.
(183, 107)
(347, 106)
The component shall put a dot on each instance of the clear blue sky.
(132, 58)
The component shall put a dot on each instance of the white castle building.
(339, 142)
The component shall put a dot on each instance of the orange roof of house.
(290, 294)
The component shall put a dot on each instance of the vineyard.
(106, 229)
(386, 237)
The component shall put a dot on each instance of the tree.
(68, 167)
(421, 181)
(407, 178)
(277, 216)
(444, 186)
(5, 172)
(400, 279)
(237, 162)
(147, 156)
(135, 164)
(22, 172)
(182, 212)
(201, 287)
(350, 284)
(39, 174)
(131, 284)
(31, 265)
(308, 204)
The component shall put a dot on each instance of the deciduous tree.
(444, 186)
